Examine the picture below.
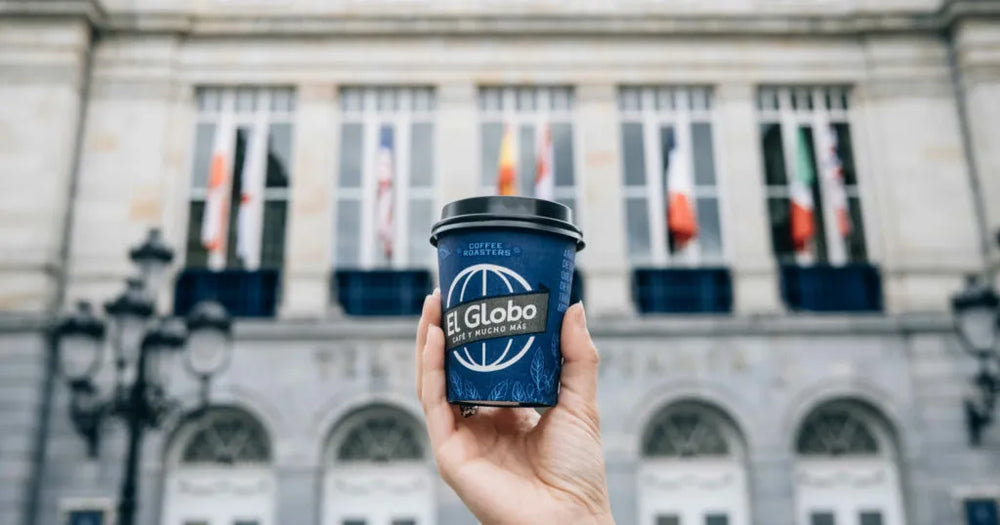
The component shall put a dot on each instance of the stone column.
(915, 197)
(41, 74)
(128, 167)
(745, 223)
(309, 235)
(979, 64)
(604, 263)
(456, 143)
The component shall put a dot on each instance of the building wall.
(300, 373)
(300, 380)
(143, 111)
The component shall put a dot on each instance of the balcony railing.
(244, 293)
(682, 290)
(851, 288)
(381, 292)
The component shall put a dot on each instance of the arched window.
(379, 436)
(845, 469)
(693, 470)
(219, 472)
(685, 431)
(226, 437)
(377, 473)
(836, 430)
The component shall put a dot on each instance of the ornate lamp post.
(143, 345)
(977, 320)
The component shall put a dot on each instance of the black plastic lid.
(508, 212)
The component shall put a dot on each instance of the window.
(981, 511)
(218, 471)
(808, 159)
(380, 436)
(845, 469)
(836, 431)
(716, 519)
(685, 432)
(870, 518)
(86, 517)
(385, 203)
(822, 518)
(227, 437)
(246, 135)
(523, 113)
(693, 472)
(667, 141)
(376, 472)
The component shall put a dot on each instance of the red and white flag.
(384, 175)
(215, 221)
(833, 172)
(544, 176)
(250, 218)
(681, 220)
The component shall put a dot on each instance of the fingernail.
(437, 291)
(583, 315)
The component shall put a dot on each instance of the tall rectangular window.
(241, 174)
(521, 115)
(812, 185)
(385, 192)
(667, 148)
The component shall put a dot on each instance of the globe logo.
(476, 282)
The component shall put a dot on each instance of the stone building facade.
(740, 383)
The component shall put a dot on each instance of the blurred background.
(783, 201)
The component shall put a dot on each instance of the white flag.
(214, 224)
(544, 177)
(251, 212)
(384, 175)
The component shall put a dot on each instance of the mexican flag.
(800, 188)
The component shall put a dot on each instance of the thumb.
(579, 372)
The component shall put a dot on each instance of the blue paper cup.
(506, 270)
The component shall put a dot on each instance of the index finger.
(431, 314)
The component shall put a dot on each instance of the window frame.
(212, 102)
(372, 118)
(680, 115)
(509, 113)
(825, 106)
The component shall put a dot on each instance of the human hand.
(511, 465)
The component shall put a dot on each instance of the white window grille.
(525, 110)
(240, 109)
(653, 117)
(402, 117)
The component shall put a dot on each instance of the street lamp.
(144, 346)
(977, 320)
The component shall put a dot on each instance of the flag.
(544, 177)
(803, 227)
(215, 221)
(833, 172)
(507, 171)
(681, 221)
(250, 218)
(384, 175)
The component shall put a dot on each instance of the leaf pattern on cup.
(499, 392)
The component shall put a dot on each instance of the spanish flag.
(507, 175)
